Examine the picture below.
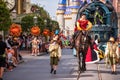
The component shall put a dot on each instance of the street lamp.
(51, 26)
(35, 20)
(14, 16)
(45, 21)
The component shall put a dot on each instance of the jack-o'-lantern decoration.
(15, 30)
(46, 32)
(51, 33)
(35, 30)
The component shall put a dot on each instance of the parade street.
(38, 68)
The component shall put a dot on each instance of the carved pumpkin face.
(51, 33)
(15, 30)
(35, 30)
(46, 32)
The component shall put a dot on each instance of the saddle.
(76, 34)
(84, 37)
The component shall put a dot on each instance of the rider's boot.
(73, 43)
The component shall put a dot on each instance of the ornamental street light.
(35, 20)
(45, 21)
(51, 26)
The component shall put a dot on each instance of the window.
(67, 2)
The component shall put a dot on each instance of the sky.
(49, 5)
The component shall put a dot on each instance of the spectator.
(11, 60)
(15, 45)
(7, 41)
(3, 48)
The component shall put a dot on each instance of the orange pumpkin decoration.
(35, 30)
(46, 32)
(51, 33)
(15, 30)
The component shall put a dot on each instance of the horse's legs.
(83, 61)
(79, 60)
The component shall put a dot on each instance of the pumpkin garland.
(35, 30)
(15, 30)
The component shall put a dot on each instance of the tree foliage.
(5, 20)
(55, 25)
(42, 15)
(41, 11)
(27, 22)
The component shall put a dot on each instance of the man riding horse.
(82, 40)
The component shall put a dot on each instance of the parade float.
(103, 17)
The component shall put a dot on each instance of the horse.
(81, 43)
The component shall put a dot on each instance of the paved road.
(38, 68)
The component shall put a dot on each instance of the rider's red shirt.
(83, 24)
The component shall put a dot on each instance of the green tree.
(55, 25)
(41, 23)
(41, 12)
(5, 20)
(42, 16)
(27, 22)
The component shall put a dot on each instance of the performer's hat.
(57, 32)
(112, 39)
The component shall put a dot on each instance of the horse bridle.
(83, 39)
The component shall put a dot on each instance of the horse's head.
(82, 38)
(85, 38)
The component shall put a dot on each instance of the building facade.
(67, 11)
(23, 6)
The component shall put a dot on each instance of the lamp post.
(45, 21)
(51, 25)
(14, 15)
(35, 20)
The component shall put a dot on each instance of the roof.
(62, 2)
